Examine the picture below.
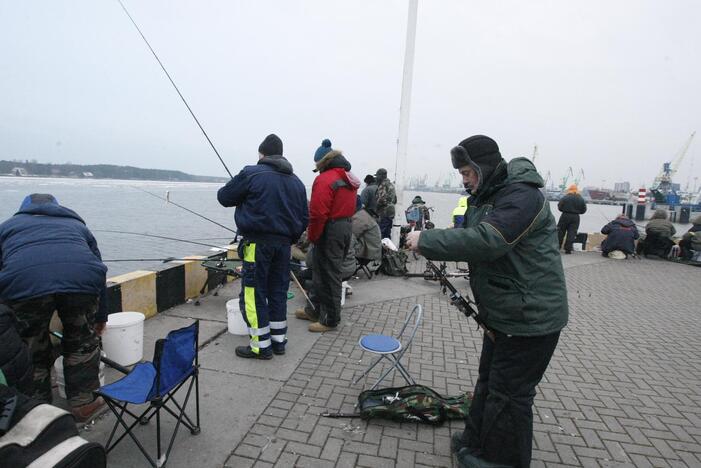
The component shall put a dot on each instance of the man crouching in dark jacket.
(50, 261)
(271, 214)
(620, 235)
(508, 238)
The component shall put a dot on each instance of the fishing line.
(175, 86)
(164, 260)
(159, 237)
(601, 212)
(167, 200)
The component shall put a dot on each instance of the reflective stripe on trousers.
(263, 299)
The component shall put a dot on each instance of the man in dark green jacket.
(509, 240)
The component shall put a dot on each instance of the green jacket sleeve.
(480, 243)
(515, 209)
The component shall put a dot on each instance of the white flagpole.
(404, 114)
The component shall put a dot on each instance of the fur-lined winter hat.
(480, 152)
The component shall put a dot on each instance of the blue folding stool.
(175, 363)
(391, 348)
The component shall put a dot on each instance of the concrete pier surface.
(623, 388)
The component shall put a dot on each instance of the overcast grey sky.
(609, 87)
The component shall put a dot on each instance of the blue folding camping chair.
(175, 363)
(391, 348)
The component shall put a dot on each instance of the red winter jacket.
(334, 193)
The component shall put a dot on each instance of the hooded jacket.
(46, 248)
(621, 234)
(660, 226)
(366, 231)
(509, 240)
(386, 197)
(693, 235)
(270, 201)
(572, 203)
(368, 197)
(333, 194)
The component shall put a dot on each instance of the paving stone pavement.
(623, 388)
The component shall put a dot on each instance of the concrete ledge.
(137, 292)
(162, 287)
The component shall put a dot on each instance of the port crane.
(565, 178)
(662, 188)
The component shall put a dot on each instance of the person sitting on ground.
(658, 236)
(459, 212)
(418, 213)
(49, 261)
(620, 235)
(571, 206)
(367, 240)
(690, 243)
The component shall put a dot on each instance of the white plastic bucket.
(61, 379)
(123, 339)
(237, 326)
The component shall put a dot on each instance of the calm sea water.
(119, 205)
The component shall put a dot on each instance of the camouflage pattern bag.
(415, 403)
(394, 262)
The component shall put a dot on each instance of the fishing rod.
(104, 359)
(175, 86)
(160, 237)
(164, 260)
(601, 213)
(167, 200)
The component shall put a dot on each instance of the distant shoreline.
(34, 168)
(37, 177)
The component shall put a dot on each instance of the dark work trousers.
(499, 426)
(567, 224)
(329, 253)
(386, 227)
(263, 297)
(80, 345)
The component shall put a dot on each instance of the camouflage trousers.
(81, 351)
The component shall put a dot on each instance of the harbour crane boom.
(663, 181)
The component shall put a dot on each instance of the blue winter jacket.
(271, 202)
(46, 248)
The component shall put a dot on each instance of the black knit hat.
(272, 145)
(478, 151)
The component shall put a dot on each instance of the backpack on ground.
(414, 403)
(394, 262)
(34, 434)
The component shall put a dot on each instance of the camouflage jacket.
(386, 198)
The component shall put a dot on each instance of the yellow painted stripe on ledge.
(195, 276)
(138, 291)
